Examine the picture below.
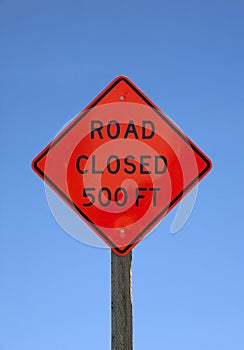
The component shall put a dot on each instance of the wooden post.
(121, 300)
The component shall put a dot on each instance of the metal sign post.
(121, 302)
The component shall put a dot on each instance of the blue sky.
(187, 56)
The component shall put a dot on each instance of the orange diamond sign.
(121, 165)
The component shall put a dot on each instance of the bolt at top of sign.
(121, 165)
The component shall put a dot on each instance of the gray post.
(121, 299)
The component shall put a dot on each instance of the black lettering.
(154, 190)
(100, 195)
(89, 195)
(94, 171)
(131, 129)
(157, 171)
(117, 129)
(78, 164)
(125, 196)
(143, 164)
(151, 129)
(130, 164)
(138, 189)
(116, 170)
(97, 129)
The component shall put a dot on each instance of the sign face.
(121, 165)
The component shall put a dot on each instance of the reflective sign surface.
(122, 165)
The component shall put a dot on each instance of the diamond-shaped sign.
(121, 165)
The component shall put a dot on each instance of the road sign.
(121, 165)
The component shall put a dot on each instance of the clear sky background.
(187, 56)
